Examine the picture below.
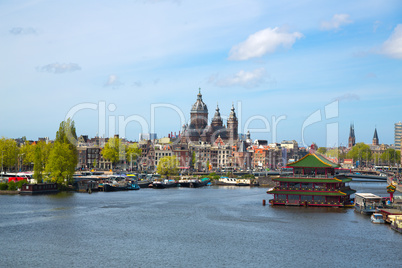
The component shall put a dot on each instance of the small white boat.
(377, 218)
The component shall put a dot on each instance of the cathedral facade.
(199, 130)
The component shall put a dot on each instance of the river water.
(182, 227)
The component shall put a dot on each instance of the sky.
(293, 70)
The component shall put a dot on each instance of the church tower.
(217, 120)
(198, 118)
(232, 126)
(352, 139)
(375, 138)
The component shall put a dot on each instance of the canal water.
(182, 227)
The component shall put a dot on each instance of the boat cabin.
(367, 203)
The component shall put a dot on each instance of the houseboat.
(164, 184)
(87, 186)
(40, 188)
(193, 182)
(367, 203)
(312, 182)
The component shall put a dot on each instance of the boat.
(243, 182)
(227, 181)
(312, 182)
(144, 183)
(396, 223)
(116, 185)
(367, 203)
(87, 186)
(164, 184)
(377, 218)
(193, 183)
(40, 188)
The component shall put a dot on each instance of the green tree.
(12, 186)
(63, 158)
(27, 152)
(114, 150)
(132, 153)
(391, 156)
(38, 164)
(168, 166)
(9, 153)
(322, 150)
(61, 166)
(360, 152)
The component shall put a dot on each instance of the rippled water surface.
(181, 227)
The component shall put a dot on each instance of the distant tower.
(232, 126)
(217, 120)
(398, 135)
(375, 138)
(352, 139)
(199, 116)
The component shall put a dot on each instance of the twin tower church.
(199, 130)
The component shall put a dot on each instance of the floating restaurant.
(313, 182)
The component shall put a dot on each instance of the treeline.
(362, 152)
(51, 162)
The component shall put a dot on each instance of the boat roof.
(314, 160)
(368, 195)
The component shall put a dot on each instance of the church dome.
(199, 106)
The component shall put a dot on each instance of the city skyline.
(268, 58)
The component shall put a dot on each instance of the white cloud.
(113, 81)
(59, 68)
(336, 22)
(263, 42)
(393, 46)
(241, 78)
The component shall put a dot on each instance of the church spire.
(375, 138)
(352, 138)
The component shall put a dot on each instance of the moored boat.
(193, 183)
(40, 188)
(377, 218)
(227, 181)
(396, 223)
(164, 184)
(367, 203)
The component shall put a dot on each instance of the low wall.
(266, 181)
(9, 192)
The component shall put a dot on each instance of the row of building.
(204, 147)
(198, 146)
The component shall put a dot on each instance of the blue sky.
(271, 59)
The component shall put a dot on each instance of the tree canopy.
(9, 153)
(391, 156)
(63, 157)
(360, 151)
(168, 166)
(114, 150)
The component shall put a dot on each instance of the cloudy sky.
(302, 70)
